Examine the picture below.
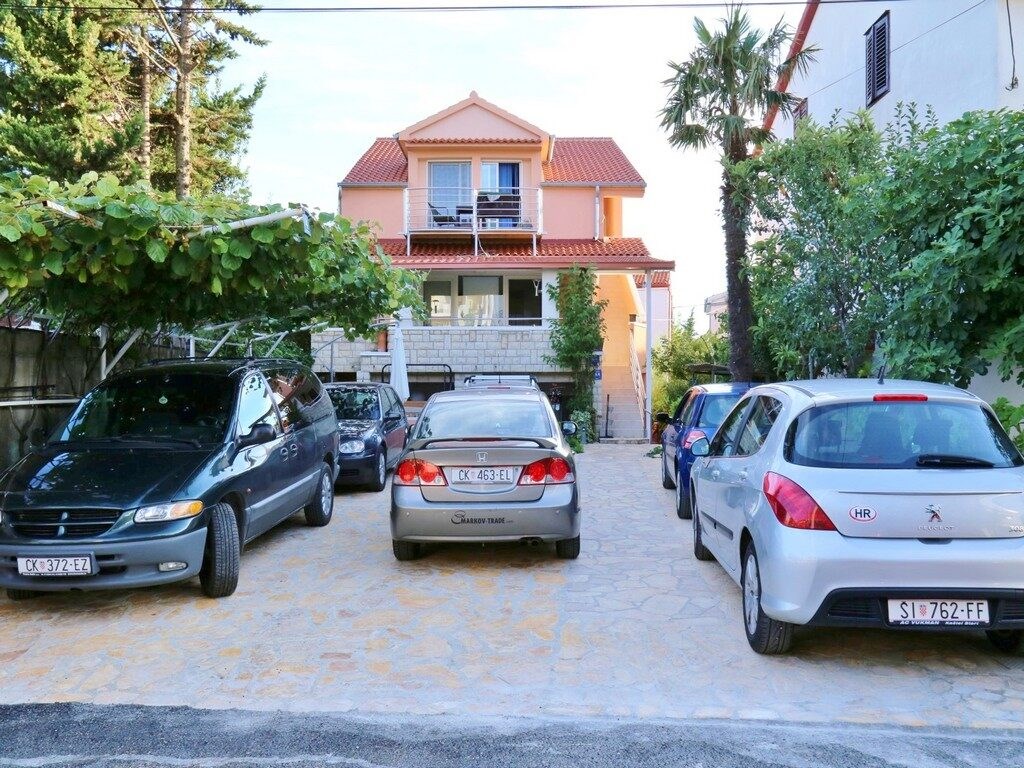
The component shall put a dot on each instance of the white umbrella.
(399, 369)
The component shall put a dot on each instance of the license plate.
(483, 475)
(77, 565)
(939, 613)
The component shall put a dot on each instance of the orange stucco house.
(489, 208)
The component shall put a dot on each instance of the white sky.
(337, 81)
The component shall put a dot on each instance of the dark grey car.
(373, 427)
(486, 464)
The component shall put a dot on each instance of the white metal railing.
(466, 209)
(638, 378)
(473, 321)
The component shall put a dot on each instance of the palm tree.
(719, 97)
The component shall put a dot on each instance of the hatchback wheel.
(667, 480)
(320, 508)
(700, 552)
(405, 550)
(382, 473)
(221, 560)
(765, 635)
(1006, 640)
(568, 549)
(683, 506)
(22, 594)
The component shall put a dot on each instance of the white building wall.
(1013, 98)
(952, 64)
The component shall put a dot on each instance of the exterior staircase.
(624, 416)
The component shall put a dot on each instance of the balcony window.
(499, 204)
(450, 193)
(481, 300)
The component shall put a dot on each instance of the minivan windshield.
(489, 417)
(900, 435)
(355, 404)
(155, 406)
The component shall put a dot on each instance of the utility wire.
(1014, 82)
(901, 45)
(581, 6)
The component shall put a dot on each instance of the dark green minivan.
(164, 473)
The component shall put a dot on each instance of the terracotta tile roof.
(659, 279)
(382, 163)
(452, 140)
(615, 253)
(575, 161)
(590, 161)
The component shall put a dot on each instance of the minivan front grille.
(62, 523)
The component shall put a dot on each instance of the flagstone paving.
(326, 619)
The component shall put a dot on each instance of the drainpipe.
(597, 213)
(648, 299)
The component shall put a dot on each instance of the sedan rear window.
(900, 435)
(493, 417)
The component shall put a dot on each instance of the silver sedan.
(845, 502)
(486, 464)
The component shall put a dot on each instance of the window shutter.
(869, 66)
(882, 56)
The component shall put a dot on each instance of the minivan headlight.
(352, 446)
(176, 510)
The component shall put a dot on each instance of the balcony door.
(451, 190)
(524, 301)
(499, 204)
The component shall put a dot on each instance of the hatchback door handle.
(714, 474)
(743, 474)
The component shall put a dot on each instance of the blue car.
(699, 414)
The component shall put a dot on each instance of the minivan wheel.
(405, 550)
(1006, 640)
(219, 574)
(667, 480)
(568, 549)
(683, 507)
(382, 473)
(319, 510)
(700, 552)
(765, 635)
(22, 594)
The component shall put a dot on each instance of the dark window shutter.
(869, 66)
(877, 74)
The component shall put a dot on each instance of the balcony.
(512, 212)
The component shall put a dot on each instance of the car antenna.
(881, 374)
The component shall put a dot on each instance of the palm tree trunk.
(146, 160)
(741, 315)
(183, 103)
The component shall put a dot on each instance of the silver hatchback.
(486, 464)
(846, 502)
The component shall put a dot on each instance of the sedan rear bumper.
(121, 564)
(553, 517)
(868, 607)
(803, 572)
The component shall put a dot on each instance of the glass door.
(524, 301)
(450, 196)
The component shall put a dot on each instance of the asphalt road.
(80, 735)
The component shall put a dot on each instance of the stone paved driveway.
(326, 619)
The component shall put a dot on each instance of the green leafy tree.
(718, 97)
(674, 358)
(578, 332)
(136, 259)
(62, 83)
(821, 280)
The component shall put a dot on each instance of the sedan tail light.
(553, 471)
(418, 472)
(692, 437)
(793, 506)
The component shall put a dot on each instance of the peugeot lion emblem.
(934, 510)
(481, 457)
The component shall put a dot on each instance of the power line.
(689, 4)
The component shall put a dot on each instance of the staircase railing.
(638, 378)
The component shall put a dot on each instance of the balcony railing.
(473, 211)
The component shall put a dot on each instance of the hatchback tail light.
(793, 506)
(418, 472)
(553, 471)
(692, 437)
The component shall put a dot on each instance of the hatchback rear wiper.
(951, 460)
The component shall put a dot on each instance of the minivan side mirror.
(37, 438)
(701, 447)
(259, 434)
(662, 418)
(569, 428)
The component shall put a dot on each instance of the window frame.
(718, 442)
(750, 417)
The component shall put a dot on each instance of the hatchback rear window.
(492, 417)
(900, 435)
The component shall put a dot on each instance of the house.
(952, 55)
(489, 208)
(715, 307)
